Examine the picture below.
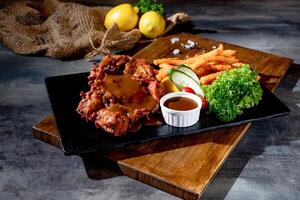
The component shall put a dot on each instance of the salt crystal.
(174, 40)
(176, 51)
(186, 46)
(190, 44)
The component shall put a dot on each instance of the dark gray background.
(265, 165)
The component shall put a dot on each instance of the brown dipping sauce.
(181, 103)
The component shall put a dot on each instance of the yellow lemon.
(169, 85)
(124, 15)
(152, 24)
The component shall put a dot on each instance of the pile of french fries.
(207, 65)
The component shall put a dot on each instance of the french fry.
(221, 67)
(212, 63)
(208, 79)
(202, 71)
(163, 72)
(198, 57)
(172, 61)
(202, 61)
(227, 60)
(191, 60)
(215, 52)
(228, 52)
(166, 65)
(207, 57)
(237, 64)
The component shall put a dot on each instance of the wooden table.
(182, 166)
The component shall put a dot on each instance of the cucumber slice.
(188, 71)
(181, 80)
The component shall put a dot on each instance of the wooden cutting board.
(182, 166)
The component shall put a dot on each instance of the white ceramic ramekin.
(180, 118)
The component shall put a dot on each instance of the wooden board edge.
(287, 66)
(243, 133)
(40, 134)
(158, 182)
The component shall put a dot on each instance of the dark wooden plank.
(47, 131)
(182, 166)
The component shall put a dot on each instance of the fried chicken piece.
(112, 122)
(90, 104)
(123, 91)
(156, 89)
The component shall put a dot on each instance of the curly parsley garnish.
(232, 92)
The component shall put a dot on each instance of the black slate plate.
(79, 136)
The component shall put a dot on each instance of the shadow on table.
(98, 167)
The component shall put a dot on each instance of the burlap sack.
(60, 30)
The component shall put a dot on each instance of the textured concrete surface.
(265, 165)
